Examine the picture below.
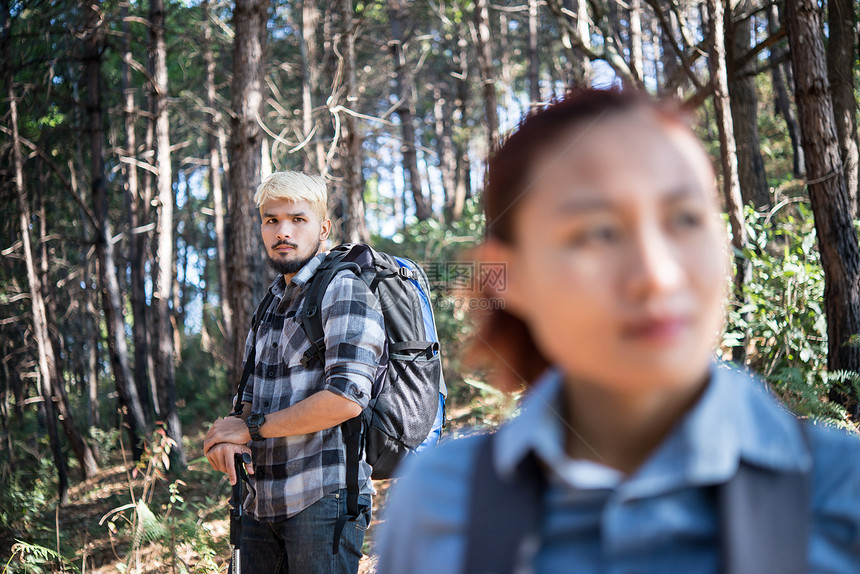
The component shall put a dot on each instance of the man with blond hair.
(292, 411)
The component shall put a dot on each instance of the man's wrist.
(254, 422)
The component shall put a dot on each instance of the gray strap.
(764, 521)
(504, 516)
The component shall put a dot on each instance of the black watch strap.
(254, 422)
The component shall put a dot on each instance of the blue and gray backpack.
(406, 408)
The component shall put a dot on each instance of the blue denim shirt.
(661, 518)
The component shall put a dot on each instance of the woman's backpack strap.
(504, 514)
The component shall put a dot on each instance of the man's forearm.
(320, 411)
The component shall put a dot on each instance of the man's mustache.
(287, 243)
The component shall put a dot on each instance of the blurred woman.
(634, 451)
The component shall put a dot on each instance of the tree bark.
(485, 64)
(728, 153)
(243, 251)
(744, 109)
(110, 291)
(534, 61)
(355, 228)
(781, 100)
(464, 166)
(60, 396)
(406, 107)
(45, 353)
(215, 135)
(828, 190)
(310, 80)
(163, 265)
(138, 213)
(635, 31)
(840, 73)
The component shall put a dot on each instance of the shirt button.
(266, 403)
(270, 373)
(356, 392)
(274, 345)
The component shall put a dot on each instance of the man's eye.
(299, 219)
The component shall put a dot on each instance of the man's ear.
(498, 255)
(325, 228)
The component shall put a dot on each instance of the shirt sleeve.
(354, 337)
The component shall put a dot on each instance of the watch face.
(256, 419)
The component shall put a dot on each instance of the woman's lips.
(657, 330)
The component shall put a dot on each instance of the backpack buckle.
(405, 272)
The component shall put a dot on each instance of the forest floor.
(196, 538)
(187, 532)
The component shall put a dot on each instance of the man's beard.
(288, 267)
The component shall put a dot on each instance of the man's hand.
(221, 458)
(232, 430)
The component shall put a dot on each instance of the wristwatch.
(254, 422)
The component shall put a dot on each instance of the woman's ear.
(505, 283)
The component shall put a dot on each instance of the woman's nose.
(655, 266)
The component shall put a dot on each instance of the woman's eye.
(597, 235)
(686, 220)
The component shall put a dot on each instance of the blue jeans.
(302, 544)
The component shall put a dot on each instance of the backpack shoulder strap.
(333, 264)
(764, 520)
(503, 515)
(251, 358)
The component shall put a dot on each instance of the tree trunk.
(744, 109)
(447, 159)
(111, 297)
(464, 167)
(80, 446)
(840, 74)
(635, 28)
(162, 281)
(575, 38)
(307, 46)
(669, 58)
(406, 108)
(244, 254)
(485, 64)
(828, 190)
(355, 228)
(781, 99)
(138, 214)
(45, 353)
(728, 154)
(215, 134)
(534, 61)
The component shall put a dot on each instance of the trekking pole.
(237, 510)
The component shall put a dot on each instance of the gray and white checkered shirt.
(291, 473)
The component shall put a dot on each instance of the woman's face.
(619, 261)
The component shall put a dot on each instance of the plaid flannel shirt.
(291, 473)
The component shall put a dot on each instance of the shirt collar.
(278, 287)
(734, 420)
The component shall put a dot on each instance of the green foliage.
(32, 558)
(25, 493)
(783, 314)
